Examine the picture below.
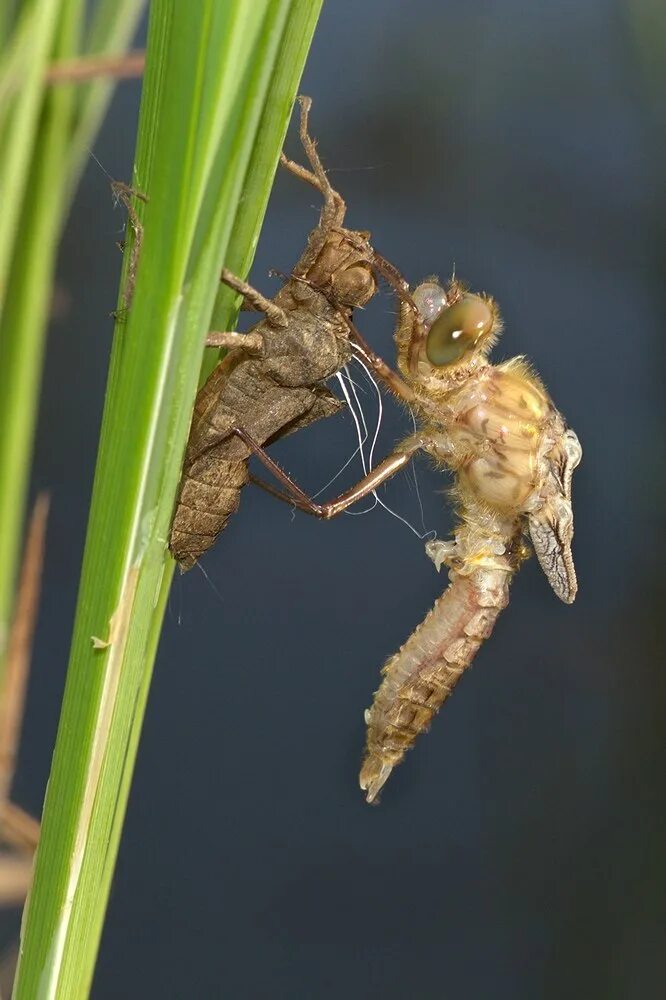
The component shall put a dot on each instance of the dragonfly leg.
(257, 301)
(409, 323)
(410, 328)
(251, 343)
(385, 269)
(333, 212)
(391, 379)
(295, 496)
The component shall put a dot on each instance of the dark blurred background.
(520, 851)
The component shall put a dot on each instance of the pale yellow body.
(513, 457)
(492, 436)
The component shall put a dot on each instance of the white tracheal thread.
(360, 388)
(368, 466)
(209, 582)
(362, 436)
(359, 447)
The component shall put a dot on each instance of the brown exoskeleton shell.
(273, 383)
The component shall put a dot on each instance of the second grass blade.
(208, 89)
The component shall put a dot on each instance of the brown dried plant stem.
(20, 645)
(17, 828)
(123, 67)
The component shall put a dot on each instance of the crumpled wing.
(551, 531)
(551, 525)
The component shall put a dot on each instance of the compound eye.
(354, 286)
(430, 300)
(457, 329)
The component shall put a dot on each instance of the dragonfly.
(512, 455)
(272, 380)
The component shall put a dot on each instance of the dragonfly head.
(453, 331)
(353, 285)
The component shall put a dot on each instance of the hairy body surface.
(513, 457)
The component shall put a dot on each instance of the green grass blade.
(111, 32)
(36, 214)
(297, 35)
(16, 49)
(21, 126)
(208, 90)
(6, 22)
(46, 170)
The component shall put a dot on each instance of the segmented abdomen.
(418, 679)
(238, 393)
(209, 495)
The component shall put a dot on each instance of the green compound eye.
(457, 329)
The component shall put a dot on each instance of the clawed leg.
(391, 379)
(409, 329)
(296, 497)
(252, 342)
(333, 212)
(274, 313)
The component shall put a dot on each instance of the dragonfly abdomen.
(209, 495)
(418, 679)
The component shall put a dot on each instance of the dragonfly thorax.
(500, 419)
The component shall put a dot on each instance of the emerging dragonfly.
(513, 458)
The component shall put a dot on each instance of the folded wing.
(551, 524)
